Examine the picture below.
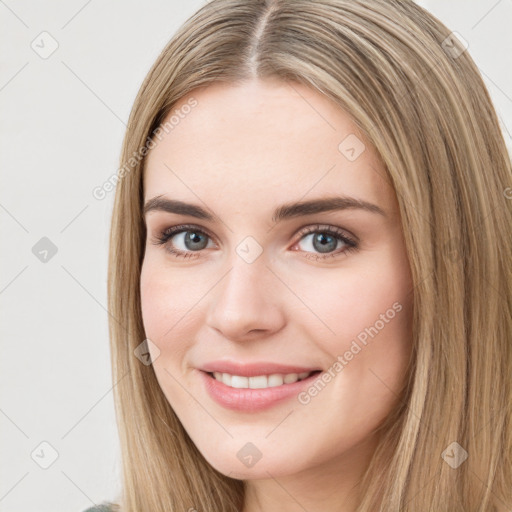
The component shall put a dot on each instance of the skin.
(244, 150)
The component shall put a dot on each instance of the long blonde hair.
(417, 96)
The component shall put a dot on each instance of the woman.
(309, 276)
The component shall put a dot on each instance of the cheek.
(352, 300)
(375, 302)
(166, 296)
(165, 318)
(154, 301)
(368, 313)
(172, 313)
(162, 305)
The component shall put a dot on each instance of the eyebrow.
(283, 212)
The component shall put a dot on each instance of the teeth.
(226, 378)
(239, 382)
(275, 379)
(259, 381)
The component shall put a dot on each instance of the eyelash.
(351, 245)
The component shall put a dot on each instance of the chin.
(243, 466)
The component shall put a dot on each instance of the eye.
(191, 240)
(187, 241)
(325, 239)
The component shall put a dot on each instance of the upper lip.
(253, 369)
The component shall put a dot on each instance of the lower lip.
(252, 400)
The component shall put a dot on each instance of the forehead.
(256, 144)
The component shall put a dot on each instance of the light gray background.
(62, 123)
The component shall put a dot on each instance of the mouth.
(255, 393)
(261, 381)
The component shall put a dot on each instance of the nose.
(245, 303)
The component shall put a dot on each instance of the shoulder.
(103, 507)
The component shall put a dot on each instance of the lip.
(252, 400)
(253, 369)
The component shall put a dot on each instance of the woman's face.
(269, 273)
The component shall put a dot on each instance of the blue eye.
(326, 239)
(193, 240)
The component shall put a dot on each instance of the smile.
(255, 393)
(259, 381)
